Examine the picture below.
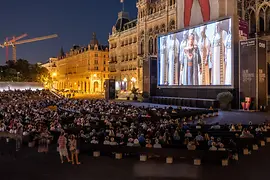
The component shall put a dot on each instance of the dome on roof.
(120, 23)
(123, 18)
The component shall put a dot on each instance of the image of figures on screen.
(197, 56)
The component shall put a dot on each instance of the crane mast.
(14, 42)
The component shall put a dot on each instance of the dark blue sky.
(73, 20)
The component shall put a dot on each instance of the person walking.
(62, 148)
(73, 149)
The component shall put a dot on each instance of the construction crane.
(14, 42)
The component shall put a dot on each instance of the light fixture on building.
(54, 74)
(125, 79)
(95, 75)
(133, 79)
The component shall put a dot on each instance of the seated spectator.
(141, 139)
(130, 142)
(232, 128)
(213, 147)
(210, 142)
(186, 141)
(113, 143)
(157, 145)
(206, 137)
(136, 143)
(185, 126)
(176, 136)
(188, 134)
(106, 141)
(221, 147)
(239, 127)
(246, 134)
(148, 143)
(191, 145)
(111, 133)
(94, 140)
(122, 140)
(199, 137)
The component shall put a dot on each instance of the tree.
(23, 71)
(43, 75)
(22, 66)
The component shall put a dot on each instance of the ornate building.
(83, 69)
(257, 13)
(134, 41)
(51, 65)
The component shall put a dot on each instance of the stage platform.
(225, 117)
(189, 102)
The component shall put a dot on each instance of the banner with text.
(262, 71)
(248, 69)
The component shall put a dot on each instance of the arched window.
(150, 48)
(142, 47)
(172, 24)
(155, 45)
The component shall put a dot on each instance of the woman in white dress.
(218, 73)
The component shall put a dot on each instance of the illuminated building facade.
(51, 65)
(83, 69)
(257, 13)
(134, 41)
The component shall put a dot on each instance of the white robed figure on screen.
(228, 57)
(217, 59)
(204, 46)
(191, 62)
(173, 51)
(163, 62)
(181, 56)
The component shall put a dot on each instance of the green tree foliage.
(23, 71)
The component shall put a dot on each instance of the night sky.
(73, 21)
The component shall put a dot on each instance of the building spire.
(61, 53)
(94, 40)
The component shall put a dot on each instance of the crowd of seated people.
(115, 123)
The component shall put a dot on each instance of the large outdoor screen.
(199, 56)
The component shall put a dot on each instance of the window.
(104, 69)
(142, 47)
(104, 62)
(96, 61)
(151, 45)
(155, 45)
(96, 68)
(96, 55)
